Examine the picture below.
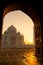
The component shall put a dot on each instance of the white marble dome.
(12, 28)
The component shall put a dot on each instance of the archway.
(23, 23)
(37, 26)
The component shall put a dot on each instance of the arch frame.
(36, 20)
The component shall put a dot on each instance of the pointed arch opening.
(23, 24)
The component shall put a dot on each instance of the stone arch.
(37, 25)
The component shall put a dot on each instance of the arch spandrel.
(10, 8)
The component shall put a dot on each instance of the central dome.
(11, 28)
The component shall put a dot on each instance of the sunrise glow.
(29, 42)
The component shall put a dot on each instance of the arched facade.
(37, 25)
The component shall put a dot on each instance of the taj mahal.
(12, 39)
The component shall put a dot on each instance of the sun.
(30, 42)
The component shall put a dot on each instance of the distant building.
(11, 38)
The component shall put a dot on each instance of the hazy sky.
(21, 21)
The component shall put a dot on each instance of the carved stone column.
(38, 40)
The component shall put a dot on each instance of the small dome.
(18, 33)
